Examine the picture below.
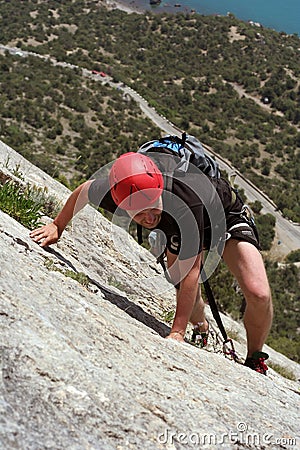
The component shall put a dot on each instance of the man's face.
(149, 217)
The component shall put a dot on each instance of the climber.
(195, 212)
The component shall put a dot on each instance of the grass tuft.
(18, 202)
(26, 203)
(80, 277)
(283, 371)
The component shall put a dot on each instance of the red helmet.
(135, 181)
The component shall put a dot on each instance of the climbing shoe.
(199, 338)
(257, 362)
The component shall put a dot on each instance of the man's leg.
(246, 264)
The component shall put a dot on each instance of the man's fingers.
(37, 231)
(37, 236)
(45, 235)
(45, 242)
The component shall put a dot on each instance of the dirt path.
(243, 93)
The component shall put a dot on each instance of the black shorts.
(240, 224)
(241, 231)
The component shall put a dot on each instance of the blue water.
(281, 15)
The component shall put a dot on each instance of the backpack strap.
(168, 181)
(139, 232)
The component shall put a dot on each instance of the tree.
(265, 167)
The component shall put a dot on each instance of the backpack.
(187, 149)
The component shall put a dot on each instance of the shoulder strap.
(139, 232)
(168, 181)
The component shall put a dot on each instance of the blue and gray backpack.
(187, 149)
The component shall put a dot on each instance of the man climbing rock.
(195, 213)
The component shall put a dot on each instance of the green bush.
(293, 256)
(26, 204)
(19, 203)
(265, 225)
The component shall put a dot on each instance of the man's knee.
(259, 294)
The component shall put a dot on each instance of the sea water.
(280, 15)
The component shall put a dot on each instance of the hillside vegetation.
(192, 69)
(65, 124)
(235, 86)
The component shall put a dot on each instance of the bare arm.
(186, 296)
(49, 234)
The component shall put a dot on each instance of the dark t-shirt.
(194, 211)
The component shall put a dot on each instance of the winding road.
(287, 233)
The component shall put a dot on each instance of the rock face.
(84, 364)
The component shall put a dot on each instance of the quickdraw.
(229, 350)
